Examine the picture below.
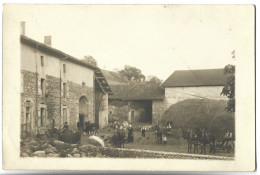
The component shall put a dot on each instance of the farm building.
(57, 88)
(187, 84)
(133, 102)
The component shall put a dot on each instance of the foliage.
(229, 88)
(132, 73)
(89, 60)
(155, 80)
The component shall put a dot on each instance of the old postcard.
(129, 87)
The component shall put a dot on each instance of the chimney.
(22, 28)
(47, 40)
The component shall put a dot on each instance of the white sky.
(154, 38)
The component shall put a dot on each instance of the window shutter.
(68, 116)
(67, 90)
(45, 117)
(46, 113)
(39, 117)
(46, 86)
(39, 86)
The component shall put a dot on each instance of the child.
(164, 138)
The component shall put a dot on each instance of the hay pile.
(201, 113)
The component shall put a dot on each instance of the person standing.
(130, 137)
(143, 128)
(228, 137)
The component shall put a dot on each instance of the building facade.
(189, 84)
(57, 88)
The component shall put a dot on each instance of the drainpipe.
(36, 103)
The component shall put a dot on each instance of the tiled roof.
(137, 91)
(113, 78)
(36, 44)
(125, 90)
(189, 78)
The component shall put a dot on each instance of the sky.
(158, 39)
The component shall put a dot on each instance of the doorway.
(28, 122)
(83, 111)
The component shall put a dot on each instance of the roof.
(125, 90)
(101, 80)
(137, 91)
(189, 78)
(55, 52)
(113, 78)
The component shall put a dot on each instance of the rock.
(76, 155)
(50, 150)
(57, 142)
(33, 142)
(28, 151)
(75, 150)
(74, 145)
(39, 153)
(69, 155)
(52, 155)
(95, 140)
(84, 155)
(24, 155)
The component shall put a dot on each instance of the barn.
(132, 101)
(187, 84)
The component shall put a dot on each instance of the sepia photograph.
(131, 83)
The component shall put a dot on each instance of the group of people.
(124, 127)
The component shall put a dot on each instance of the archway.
(83, 110)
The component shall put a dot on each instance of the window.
(64, 68)
(42, 117)
(42, 61)
(64, 90)
(65, 119)
(43, 86)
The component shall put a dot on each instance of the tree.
(229, 88)
(132, 74)
(89, 60)
(155, 80)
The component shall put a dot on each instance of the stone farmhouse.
(57, 88)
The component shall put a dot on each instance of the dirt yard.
(148, 143)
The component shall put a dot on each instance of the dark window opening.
(65, 115)
(42, 61)
(64, 90)
(64, 68)
(42, 117)
(43, 86)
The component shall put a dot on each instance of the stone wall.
(53, 102)
(118, 110)
(103, 113)
(159, 107)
